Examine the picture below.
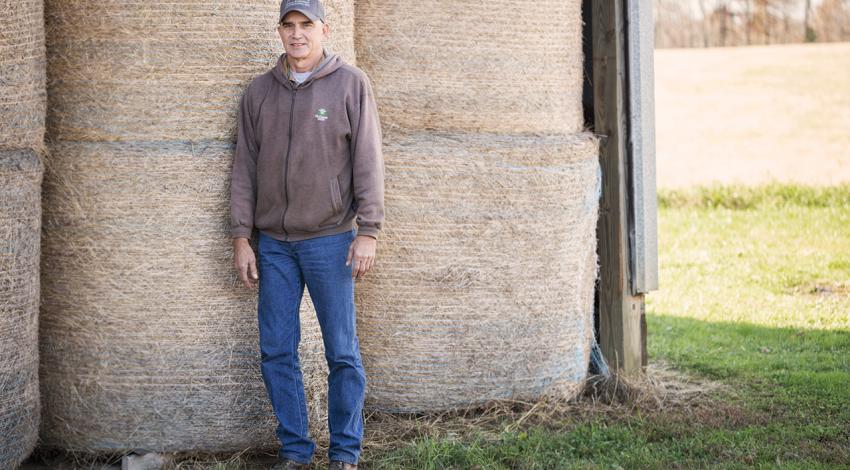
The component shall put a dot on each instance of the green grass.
(758, 197)
(640, 443)
(776, 258)
(755, 294)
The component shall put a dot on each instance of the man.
(308, 165)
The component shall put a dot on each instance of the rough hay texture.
(20, 227)
(497, 66)
(166, 69)
(22, 74)
(147, 339)
(484, 284)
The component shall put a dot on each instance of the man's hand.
(362, 253)
(245, 262)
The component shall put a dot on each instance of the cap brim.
(303, 12)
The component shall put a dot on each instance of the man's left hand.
(361, 255)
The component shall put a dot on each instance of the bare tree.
(675, 25)
(711, 23)
(832, 20)
(808, 32)
(704, 23)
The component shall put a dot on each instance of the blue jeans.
(284, 268)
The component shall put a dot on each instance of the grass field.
(753, 115)
(755, 300)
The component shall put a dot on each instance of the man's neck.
(304, 65)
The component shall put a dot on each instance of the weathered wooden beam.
(622, 314)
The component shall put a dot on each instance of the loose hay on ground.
(661, 391)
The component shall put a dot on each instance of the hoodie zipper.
(289, 143)
(286, 162)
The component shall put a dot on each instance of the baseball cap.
(312, 9)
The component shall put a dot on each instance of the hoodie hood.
(328, 65)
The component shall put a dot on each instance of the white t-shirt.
(299, 77)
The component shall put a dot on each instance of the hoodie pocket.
(336, 195)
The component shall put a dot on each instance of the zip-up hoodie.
(308, 156)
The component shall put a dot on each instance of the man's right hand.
(245, 262)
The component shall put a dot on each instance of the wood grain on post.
(621, 322)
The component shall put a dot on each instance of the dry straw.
(20, 224)
(500, 66)
(148, 340)
(22, 74)
(170, 69)
(483, 285)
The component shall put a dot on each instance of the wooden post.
(622, 324)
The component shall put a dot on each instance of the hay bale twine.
(164, 69)
(147, 339)
(485, 288)
(20, 231)
(22, 74)
(499, 66)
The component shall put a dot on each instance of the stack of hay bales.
(485, 288)
(148, 340)
(22, 109)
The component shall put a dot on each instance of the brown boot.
(340, 465)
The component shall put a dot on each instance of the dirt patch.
(822, 289)
(826, 290)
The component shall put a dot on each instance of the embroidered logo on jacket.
(321, 114)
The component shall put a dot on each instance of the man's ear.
(326, 30)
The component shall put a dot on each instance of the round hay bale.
(147, 338)
(22, 74)
(484, 285)
(499, 66)
(20, 232)
(167, 69)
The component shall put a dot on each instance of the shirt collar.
(288, 72)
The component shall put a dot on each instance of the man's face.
(302, 38)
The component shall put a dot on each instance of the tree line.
(713, 23)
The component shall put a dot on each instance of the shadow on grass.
(804, 372)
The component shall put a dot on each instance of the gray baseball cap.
(312, 9)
